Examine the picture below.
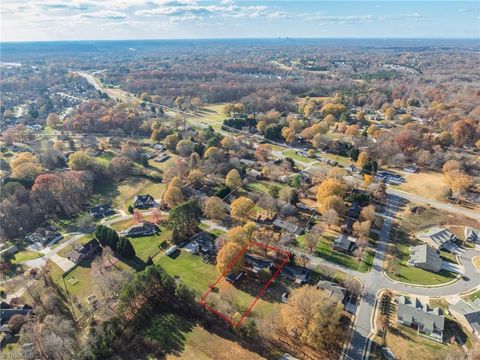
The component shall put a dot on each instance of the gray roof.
(424, 254)
(471, 311)
(438, 235)
(472, 234)
(344, 242)
(335, 289)
(293, 228)
(415, 311)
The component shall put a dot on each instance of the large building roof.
(415, 311)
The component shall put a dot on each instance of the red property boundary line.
(260, 294)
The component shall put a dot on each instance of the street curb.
(457, 278)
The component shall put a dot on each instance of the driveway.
(456, 268)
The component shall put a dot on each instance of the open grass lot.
(411, 222)
(25, 256)
(406, 344)
(190, 341)
(80, 281)
(428, 184)
(263, 186)
(211, 114)
(293, 154)
(325, 251)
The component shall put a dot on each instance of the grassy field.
(428, 184)
(263, 186)
(25, 256)
(199, 276)
(127, 189)
(186, 340)
(325, 251)
(293, 154)
(79, 282)
(203, 345)
(211, 114)
(406, 344)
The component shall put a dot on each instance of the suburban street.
(374, 281)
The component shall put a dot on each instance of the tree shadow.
(168, 332)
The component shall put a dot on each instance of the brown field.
(201, 344)
(428, 184)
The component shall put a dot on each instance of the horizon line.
(242, 38)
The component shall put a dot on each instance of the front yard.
(325, 251)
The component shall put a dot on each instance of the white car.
(285, 297)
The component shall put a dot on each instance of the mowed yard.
(121, 195)
(210, 114)
(325, 251)
(199, 276)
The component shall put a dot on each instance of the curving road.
(375, 281)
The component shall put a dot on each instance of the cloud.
(104, 14)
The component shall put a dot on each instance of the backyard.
(199, 276)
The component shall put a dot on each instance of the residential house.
(336, 291)
(411, 168)
(425, 257)
(44, 235)
(161, 158)
(257, 263)
(295, 273)
(468, 314)
(84, 252)
(141, 229)
(101, 211)
(7, 311)
(437, 237)
(266, 216)
(354, 211)
(143, 201)
(205, 243)
(344, 243)
(428, 322)
(280, 224)
(7, 250)
(472, 235)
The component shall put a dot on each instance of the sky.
(48, 20)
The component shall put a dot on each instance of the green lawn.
(325, 251)
(293, 154)
(121, 195)
(199, 276)
(84, 239)
(414, 275)
(25, 256)
(264, 186)
(149, 245)
(473, 296)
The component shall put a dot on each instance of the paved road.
(475, 214)
(50, 253)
